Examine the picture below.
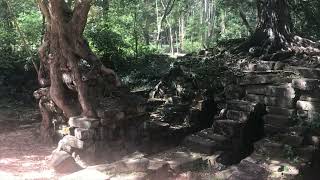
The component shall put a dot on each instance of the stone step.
(285, 90)
(306, 84)
(270, 78)
(280, 111)
(284, 102)
(277, 120)
(83, 122)
(237, 115)
(308, 106)
(240, 105)
(313, 73)
(203, 145)
(259, 66)
(227, 127)
(209, 133)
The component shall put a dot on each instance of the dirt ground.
(22, 156)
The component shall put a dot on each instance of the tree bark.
(273, 31)
(62, 53)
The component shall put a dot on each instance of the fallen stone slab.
(83, 122)
(63, 162)
(306, 84)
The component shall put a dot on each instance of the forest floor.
(22, 156)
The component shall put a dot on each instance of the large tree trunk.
(273, 31)
(63, 51)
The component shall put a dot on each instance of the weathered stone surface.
(63, 162)
(292, 140)
(227, 127)
(280, 111)
(259, 66)
(308, 106)
(313, 73)
(276, 120)
(306, 84)
(284, 102)
(240, 105)
(73, 142)
(112, 116)
(84, 134)
(210, 134)
(85, 174)
(264, 79)
(83, 122)
(203, 145)
(137, 164)
(237, 115)
(275, 91)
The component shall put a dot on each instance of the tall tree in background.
(62, 53)
(273, 31)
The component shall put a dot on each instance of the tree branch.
(80, 15)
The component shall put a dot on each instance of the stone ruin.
(178, 125)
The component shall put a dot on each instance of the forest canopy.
(120, 30)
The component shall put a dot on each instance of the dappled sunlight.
(23, 157)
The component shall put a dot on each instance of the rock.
(209, 133)
(280, 111)
(137, 164)
(237, 115)
(306, 84)
(112, 116)
(275, 91)
(63, 162)
(84, 174)
(313, 73)
(203, 145)
(276, 120)
(292, 140)
(83, 122)
(240, 105)
(283, 102)
(308, 106)
(84, 134)
(266, 78)
(74, 142)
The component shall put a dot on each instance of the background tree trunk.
(273, 31)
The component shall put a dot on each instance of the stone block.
(76, 143)
(240, 105)
(308, 106)
(84, 134)
(237, 115)
(112, 117)
(203, 145)
(276, 120)
(83, 122)
(210, 134)
(264, 79)
(280, 111)
(275, 91)
(313, 73)
(137, 164)
(283, 102)
(63, 162)
(306, 84)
